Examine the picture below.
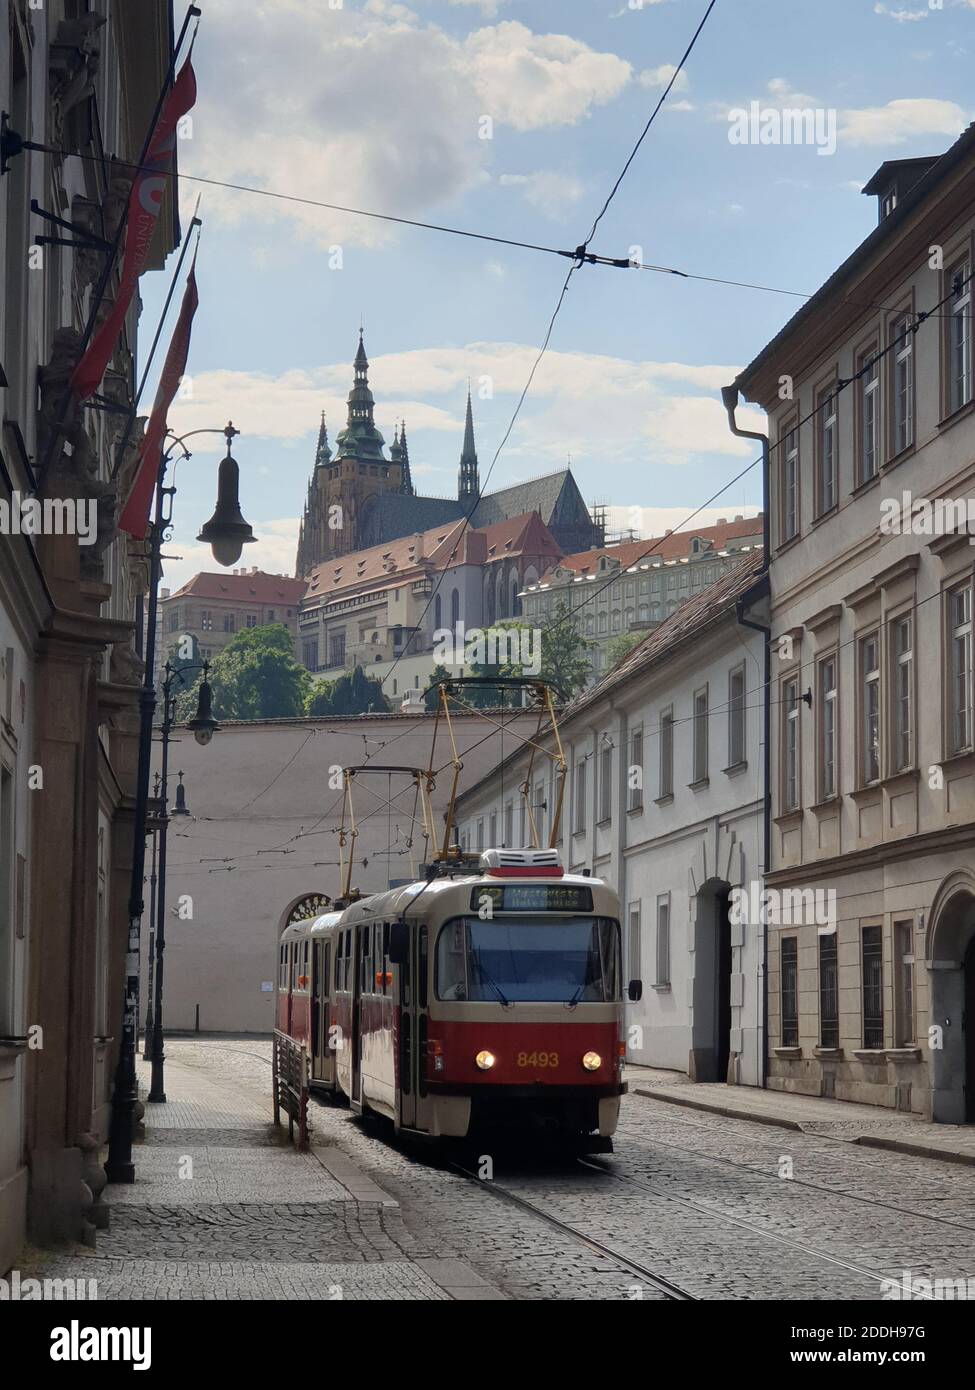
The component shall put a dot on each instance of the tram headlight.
(591, 1061)
(485, 1060)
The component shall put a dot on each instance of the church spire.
(360, 438)
(406, 483)
(323, 453)
(469, 485)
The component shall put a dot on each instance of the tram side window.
(421, 966)
(385, 962)
(283, 968)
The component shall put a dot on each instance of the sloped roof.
(673, 546)
(242, 588)
(396, 515)
(537, 495)
(518, 535)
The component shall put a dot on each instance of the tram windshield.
(569, 960)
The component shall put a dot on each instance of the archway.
(711, 1021)
(950, 953)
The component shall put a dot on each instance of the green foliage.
(355, 693)
(439, 673)
(566, 654)
(254, 677)
(488, 696)
(621, 646)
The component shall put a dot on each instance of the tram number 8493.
(537, 1059)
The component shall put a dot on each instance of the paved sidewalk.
(869, 1125)
(223, 1207)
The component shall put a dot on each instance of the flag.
(135, 514)
(145, 201)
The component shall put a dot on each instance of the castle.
(358, 498)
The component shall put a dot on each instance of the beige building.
(633, 586)
(85, 83)
(212, 607)
(869, 391)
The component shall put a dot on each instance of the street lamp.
(226, 525)
(203, 720)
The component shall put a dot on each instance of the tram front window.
(572, 960)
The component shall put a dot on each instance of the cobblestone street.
(718, 1206)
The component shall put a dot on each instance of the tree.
(566, 654)
(319, 699)
(493, 696)
(255, 676)
(355, 693)
(438, 674)
(621, 646)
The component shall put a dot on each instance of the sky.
(514, 118)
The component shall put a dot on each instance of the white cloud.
(899, 14)
(550, 192)
(660, 76)
(899, 120)
(656, 521)
(273, 552)
(372, 109)
(488, 8)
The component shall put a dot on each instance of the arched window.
(515, 604)
(616, 620)
(454, 607)
(437, 613)
(602, 622)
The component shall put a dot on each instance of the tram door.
(360, 949)
(413, 1028)
(319, 1009)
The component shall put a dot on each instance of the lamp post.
(153, 826)
(204, 726)
(228, 533)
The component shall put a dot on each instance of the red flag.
(145, 201)
(135, 513)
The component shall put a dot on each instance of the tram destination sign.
(533, 897)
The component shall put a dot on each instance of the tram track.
(654, 1280)
(702, 1209)
(799, 1182)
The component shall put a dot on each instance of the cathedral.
(358, 497)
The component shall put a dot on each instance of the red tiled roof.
(242, 588)
(673, 546)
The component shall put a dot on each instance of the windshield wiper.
(571, 1003)
(488, 979)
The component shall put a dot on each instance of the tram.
(485, 997)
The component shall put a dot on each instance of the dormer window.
(888, 202)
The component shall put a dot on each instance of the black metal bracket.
(82, 238)
(99, 402)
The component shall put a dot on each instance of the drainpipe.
(729, 397)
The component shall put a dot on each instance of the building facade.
(869, 392)
(358, 498)
(86, 84)
(664, 800)
(637, 584)
(212, 608)
(392, 605)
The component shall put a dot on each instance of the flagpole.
(130, 422)
(112, 255)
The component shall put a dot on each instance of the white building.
(873, 796)
(664, 800)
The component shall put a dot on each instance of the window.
(579, 798)
(635, 770)
(902, 384)
(790, 991)
(479, 842)
(454, 607)
(514, 959)
(493, 829)
(868, 459)
(870, 709)
(336, 649)
(605, 780)
(872, 950)
(633, 944)
(663, 940)
(959, 326)
(228, 622)
(790, 485)
(904, 958)
(826, 452)
(538, 811)
(509, 824)
(172, 619)
(206, 620)
(667, 753)
(736, 716)
(270, 615)
(790, 740)
(960, 693)
(829, 994)
(902, 648)
(700, 735)
(827, 728)
(251, 620)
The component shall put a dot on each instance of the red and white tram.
(486, 998)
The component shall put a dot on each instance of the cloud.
(899, 120)
(372, 109)
(488, 8)
(274, 552)
(660, 76)
(656, 521)
(550, 192)
(900, 15)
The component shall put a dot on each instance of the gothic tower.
(345, 487)
(469, 484)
